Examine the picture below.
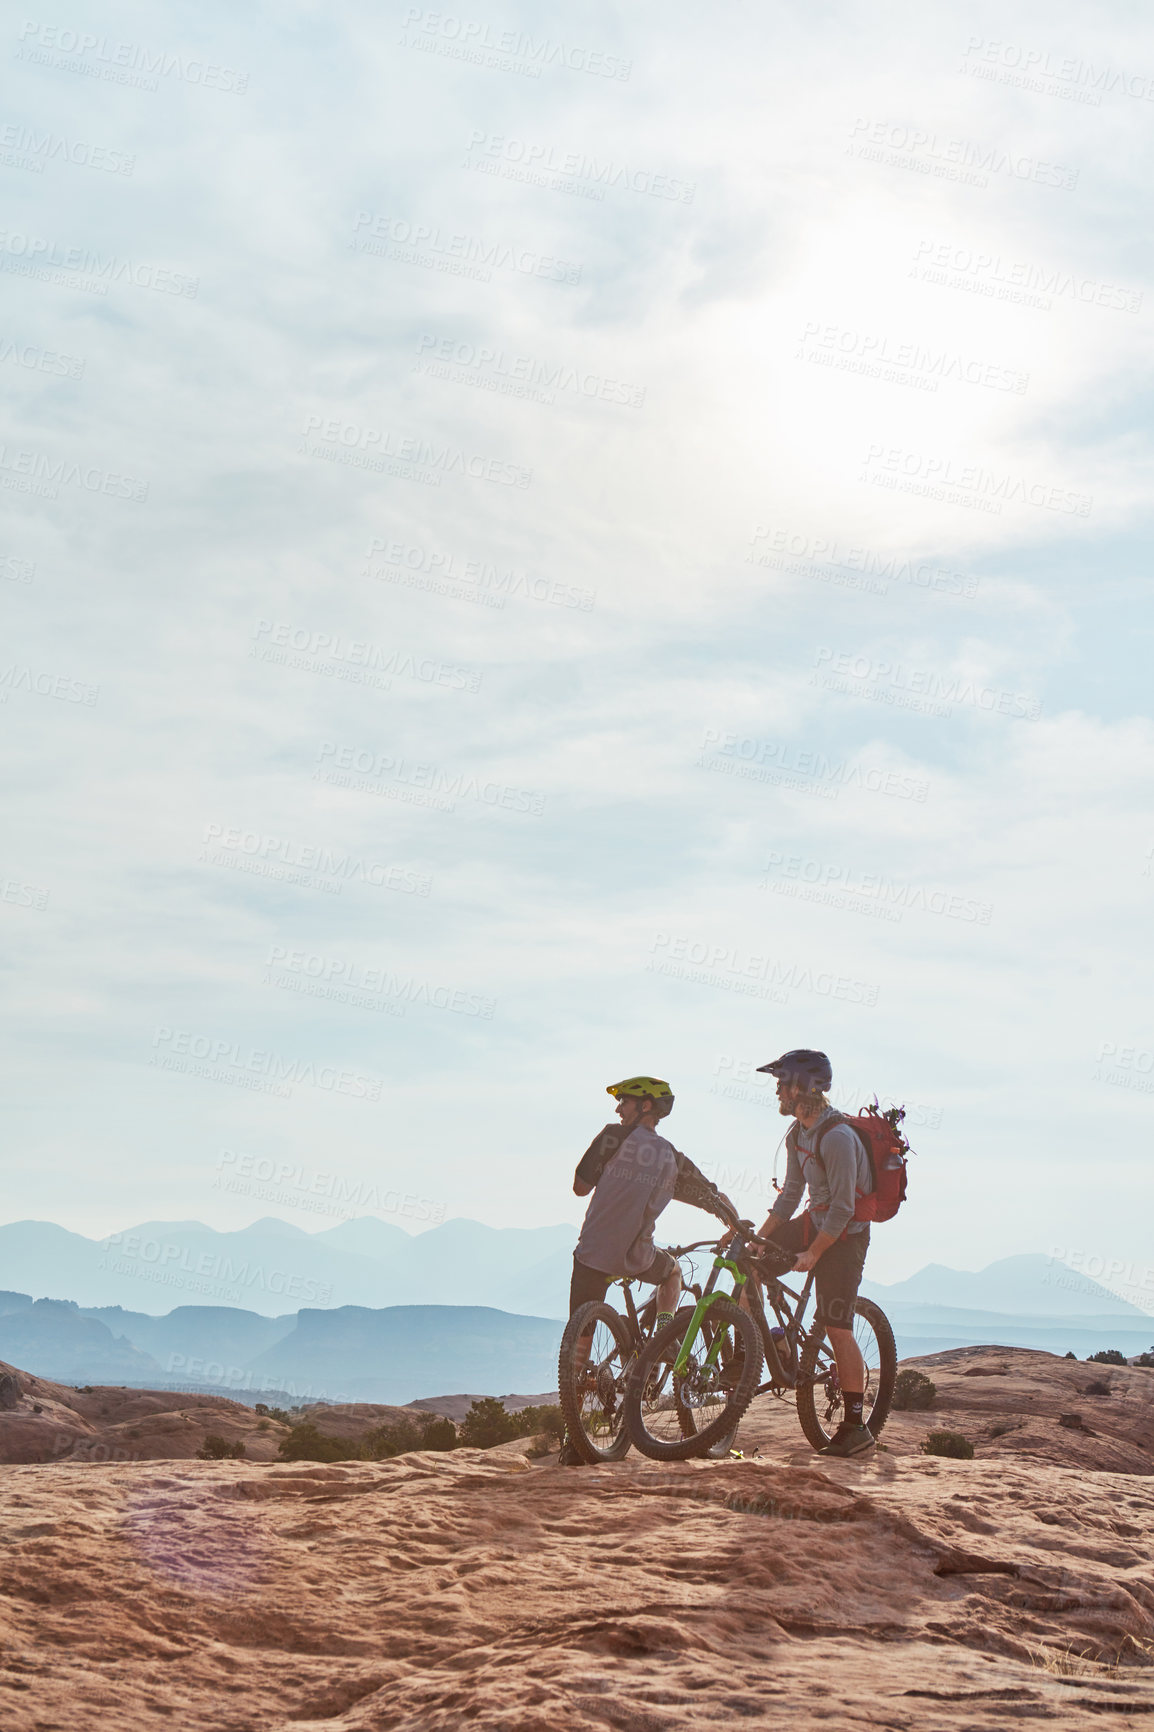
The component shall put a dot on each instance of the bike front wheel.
(596, 1353)
(671, 1417)
(820, 1404)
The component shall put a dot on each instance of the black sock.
(853, 1407)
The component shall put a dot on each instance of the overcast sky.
(542, 550)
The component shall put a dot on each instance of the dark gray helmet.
(811, 1071)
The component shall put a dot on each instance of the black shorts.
(838, 1273)
(592, 1284)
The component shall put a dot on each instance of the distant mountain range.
(396, 1353)
(272, 1268)
(348, 1354)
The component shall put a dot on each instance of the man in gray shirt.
(826, 1154)
(633, 1174)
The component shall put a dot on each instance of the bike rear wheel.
(596, 1352)
(672, 1418)
(820, 1406)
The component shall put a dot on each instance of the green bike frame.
(708, 1298)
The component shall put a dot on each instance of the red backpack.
(886, 1149)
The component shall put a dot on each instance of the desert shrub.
(429, 1431)
(262, 1425)
(1108, 1356)
(913, 1391)
(548, 1422)
(306, 1443)
(217, 1448)
(1071, 1356)
(950, 1443)
(277, 1413)
(1004, 1426)
(1097, 1388)
(1146, 1358)
(487, 1423)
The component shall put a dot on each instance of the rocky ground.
(480, 1588)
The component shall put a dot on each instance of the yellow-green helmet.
(645, 1088)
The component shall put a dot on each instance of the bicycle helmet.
(643, 1088)
(809, 1070)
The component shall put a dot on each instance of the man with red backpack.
(825, 1154)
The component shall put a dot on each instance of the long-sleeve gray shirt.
(835, 1177)
(632, 1188)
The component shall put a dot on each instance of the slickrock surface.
(480, 1589)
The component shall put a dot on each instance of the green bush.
(950, 1443)
(277, 1413)
(913, 1391)
(217, 1448)
(487, 1423)
(305, 1443)
(1108, 1356)
(430, 1431)
(1145, 1358)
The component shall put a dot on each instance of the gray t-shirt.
(835, 1177)
(636, 1184)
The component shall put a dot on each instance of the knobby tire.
(663, 1347)
(810, 1395)
(592, 1448)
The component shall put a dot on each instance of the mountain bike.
(692, 1383)
(598, 1351)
